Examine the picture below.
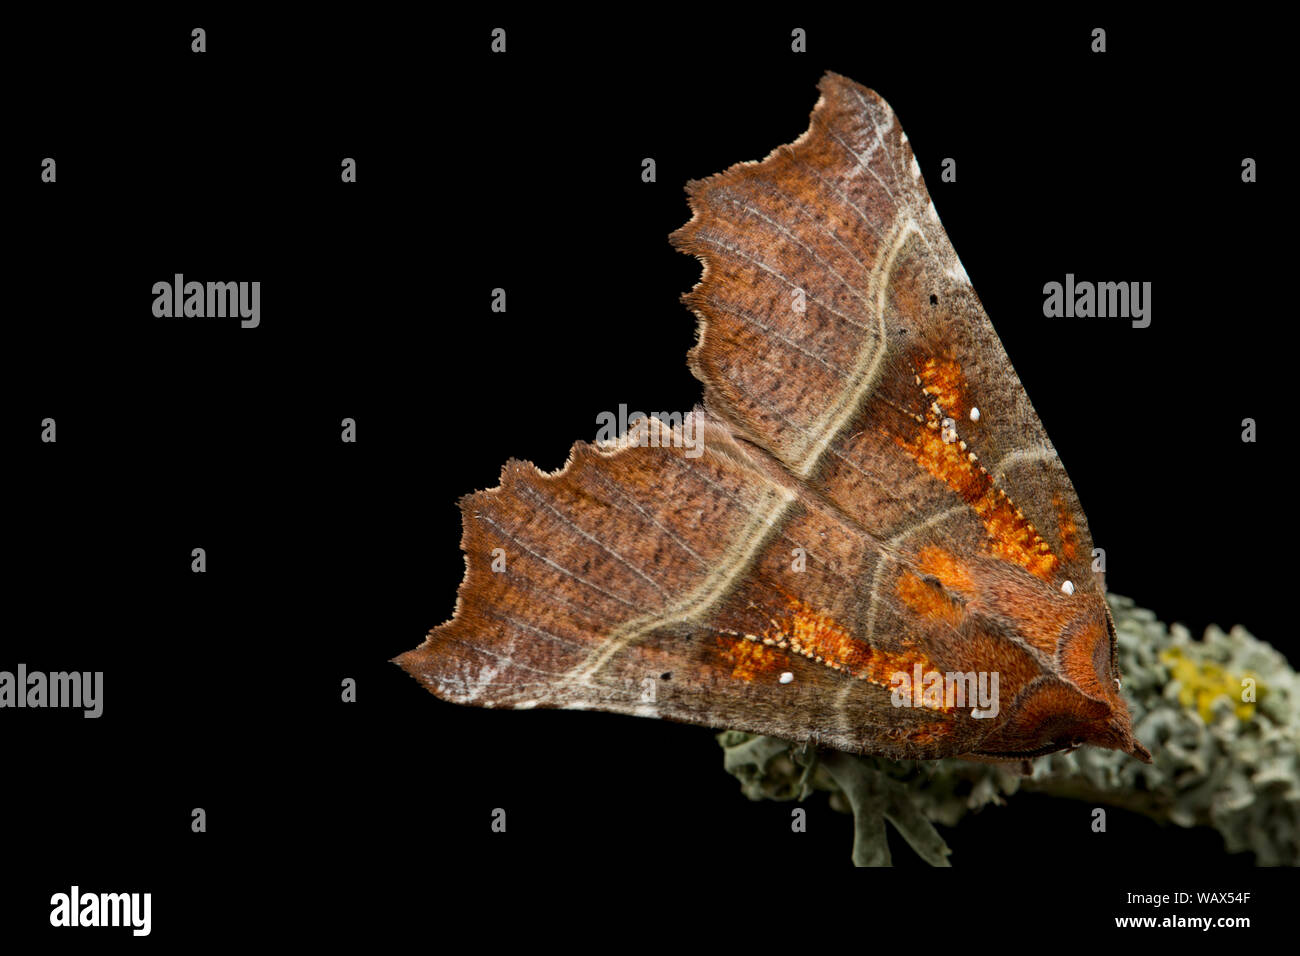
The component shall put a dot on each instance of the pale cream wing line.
(762, 522)
(887, 553)
(862, 382)
(1021, 456)
(869, 362)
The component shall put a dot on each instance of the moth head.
(1088, 662)
(1075, 702)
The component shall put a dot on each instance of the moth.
(862, 530)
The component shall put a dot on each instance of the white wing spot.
(786, 677)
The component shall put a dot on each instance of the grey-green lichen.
(1218, 760)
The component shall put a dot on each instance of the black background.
(325, 559)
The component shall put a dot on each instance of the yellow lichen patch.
(1201, 683)
(1011, 536)
(942, 380)
(748, 659)
(1069, 531)
(927, 600)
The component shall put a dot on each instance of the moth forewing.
(865, 517)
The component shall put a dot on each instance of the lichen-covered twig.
(1221, 759)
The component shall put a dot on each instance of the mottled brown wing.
(851, 517)
(834, 314)
(650, 579)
